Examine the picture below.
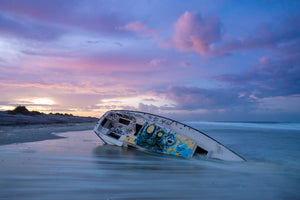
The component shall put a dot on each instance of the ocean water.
(80, 166)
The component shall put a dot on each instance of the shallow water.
(80, 166)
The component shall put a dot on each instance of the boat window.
(114, 135)
(124, 121)
(103, 122)
(199, 150)
(137, 129)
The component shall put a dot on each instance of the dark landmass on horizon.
(22, 116)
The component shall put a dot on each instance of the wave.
(254, 125)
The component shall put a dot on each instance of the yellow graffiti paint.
(150, 129)
(130, 139)
(159, 134)
(190, 144)
(179, 140)
(140, 120)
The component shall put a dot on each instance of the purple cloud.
(28, 29)
(268, 79)
(278, 72)
(148, 108)
(49, 16)
(191, 98)
(266, 36)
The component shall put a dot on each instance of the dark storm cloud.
(190, 98)
(269, 79)
(267, 35)
(278, 73)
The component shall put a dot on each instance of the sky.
(191, 60)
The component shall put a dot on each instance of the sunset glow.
(43, 101)
(200, 60)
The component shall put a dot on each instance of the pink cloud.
(139, 28)
(87, 63)
(194, 33)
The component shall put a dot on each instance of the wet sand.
(80, 166)
(38, 132)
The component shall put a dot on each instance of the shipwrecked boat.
(155, 133)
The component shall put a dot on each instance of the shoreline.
(10, 134)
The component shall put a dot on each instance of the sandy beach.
(21, 125)
(38, 132)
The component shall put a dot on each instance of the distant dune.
(21, 116)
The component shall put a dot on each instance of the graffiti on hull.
(157, 139)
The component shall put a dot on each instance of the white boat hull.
(159, 134)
